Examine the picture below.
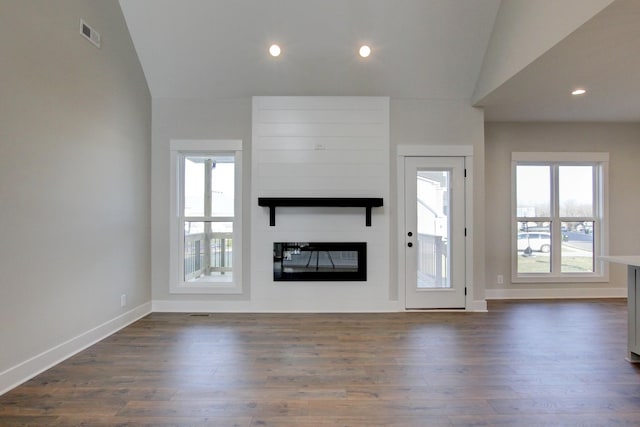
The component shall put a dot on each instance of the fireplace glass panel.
(319, 261)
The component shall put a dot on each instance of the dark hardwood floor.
(525, 363)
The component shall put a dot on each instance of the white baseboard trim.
(478, 305)
(164, 306)
(193, 306)
(28, 369)
(560, 293)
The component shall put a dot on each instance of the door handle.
(410, 244)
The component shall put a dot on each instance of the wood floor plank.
(215, 408)
(524, 363)
(330, 421)
(155, 421)
(548, 420)
(28, 421)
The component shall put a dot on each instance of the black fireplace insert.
(319, 261)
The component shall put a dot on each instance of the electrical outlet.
(500, 280)
(123, 300)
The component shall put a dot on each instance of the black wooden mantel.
(339, 202)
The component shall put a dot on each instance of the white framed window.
(206, 216)
(559, 217)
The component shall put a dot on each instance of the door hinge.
(465, 290)
(465, 173)
(465, 232)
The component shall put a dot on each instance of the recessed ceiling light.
(364, 51)
(578, 92)
(274, 50)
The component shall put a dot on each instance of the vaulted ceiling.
(602, 56)
(421, 49)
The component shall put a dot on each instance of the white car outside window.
(537, 241)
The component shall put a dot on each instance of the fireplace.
(319, 261)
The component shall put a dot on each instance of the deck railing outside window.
(196, 261)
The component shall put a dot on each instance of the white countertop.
(623, 259)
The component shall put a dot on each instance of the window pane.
(208, 251)
(576, 191)
(533, 191)
(577, 247)
(533, 248)
(222, 185)
(209, 186)
(194, 186)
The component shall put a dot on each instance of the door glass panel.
(577, 247)
(433, 208)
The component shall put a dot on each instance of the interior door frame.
(404, 151)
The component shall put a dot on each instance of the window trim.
(601, 215)
(178, 150)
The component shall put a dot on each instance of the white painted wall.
(523, 31)
(620, 140)
(432, 122)
(74, 181)
(445, 122)
(322, 147)
(193, 120)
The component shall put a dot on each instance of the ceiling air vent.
(89, 33)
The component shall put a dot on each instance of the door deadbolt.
(410, 244)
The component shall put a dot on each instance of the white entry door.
(434, 232)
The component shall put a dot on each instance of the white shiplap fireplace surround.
(320, 147)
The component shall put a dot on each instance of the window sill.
(573, 279)
(221, 288)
